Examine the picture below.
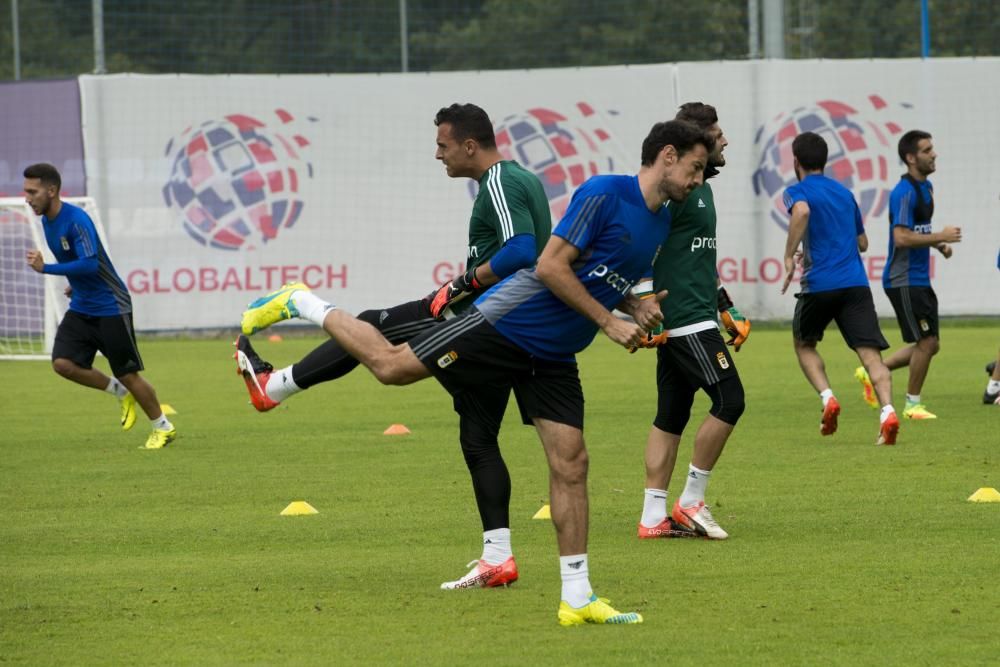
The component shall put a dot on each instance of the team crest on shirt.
(64, 242)
(447, 359)
(723, 362)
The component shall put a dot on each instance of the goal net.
(31, 304)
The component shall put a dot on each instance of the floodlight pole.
(774, 29)
(98, 14)
(404, 47)
(17, 40)
(753, 29)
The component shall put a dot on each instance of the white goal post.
(31, 304)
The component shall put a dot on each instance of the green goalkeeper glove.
(733, 321)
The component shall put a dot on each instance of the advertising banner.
(216, 189)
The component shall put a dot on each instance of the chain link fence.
(56, 38)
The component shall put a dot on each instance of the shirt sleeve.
(792, 196)
(510, 204)
(588, 211)
(901, 206)
(83, 238)
(859, 225)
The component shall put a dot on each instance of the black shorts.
(699, 360)
(80, 337)
(401, 323)
(469, 358)
(853, 310)
(916, 311)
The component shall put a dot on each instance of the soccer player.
(906, 276)
(525, 331)
(826, 220)
(692, 355)
(992, 394)
(100, 308)
(509, 226)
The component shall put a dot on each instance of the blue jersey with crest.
(911, 205)
(73, 240)
(830, 256)
(618, 238)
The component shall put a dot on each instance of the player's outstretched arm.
(555, 271)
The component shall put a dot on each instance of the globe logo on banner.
(861, 144)
(563, 150)
(234, 182)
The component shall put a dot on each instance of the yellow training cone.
(396, 429)
(299, 508)
(167, 409)
(987, 494)
(543, 513)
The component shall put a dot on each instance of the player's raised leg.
(814, 369)
(270, 309)
(871, 359)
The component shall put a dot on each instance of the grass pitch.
(841, 552)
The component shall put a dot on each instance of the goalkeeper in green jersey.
(691, 355)
(509, 226)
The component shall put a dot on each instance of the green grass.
(840, 552)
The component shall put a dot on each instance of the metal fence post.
(17, 40)
(404, 46)
(98, 11)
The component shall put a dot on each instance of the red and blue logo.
(235, 182)
(862, 144)
(562, 149)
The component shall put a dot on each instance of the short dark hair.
(468, 122)
(701, 114)
(810, 150)
(682, 135)
(909, 142)
(45, 173)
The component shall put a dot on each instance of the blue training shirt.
(911, 205)
(830, 256)
(97, 289)
(618, 238)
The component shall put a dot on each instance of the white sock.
(496, 546)
(913, 398)
(654, 507)
(281, 385)
(826, 395)
(694, 489)
(162, 423)
(576, 590)
(310, 306)
(993, 387)
(117, 388)
(886, 411)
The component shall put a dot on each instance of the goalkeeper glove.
(452, 292)
(733, 321)
(653, 339)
